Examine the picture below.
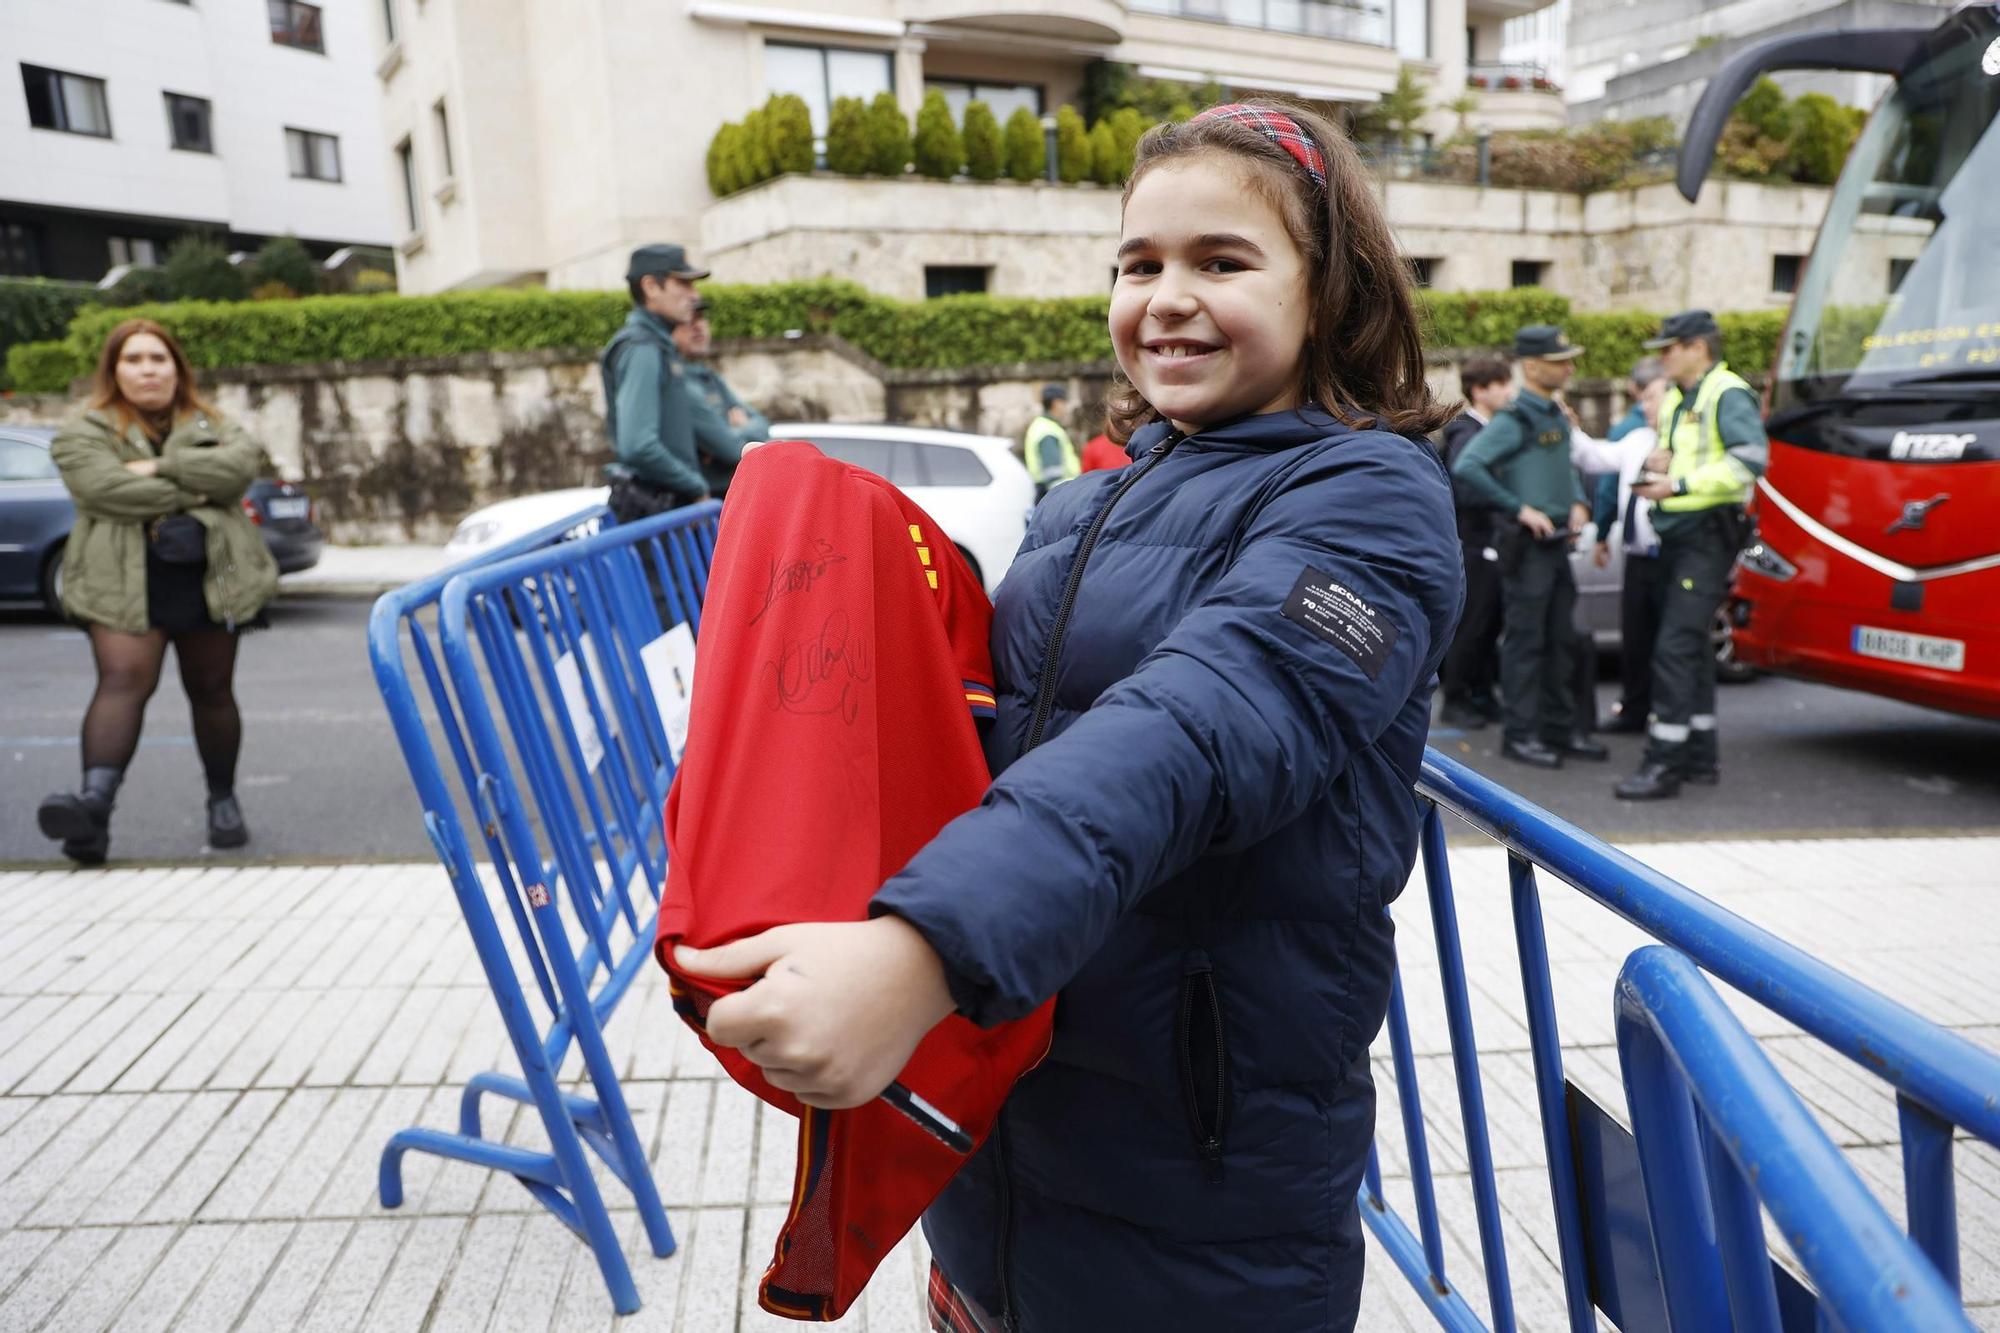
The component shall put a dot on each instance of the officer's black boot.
(1704, 759)
(82, 820)
(1658, 778)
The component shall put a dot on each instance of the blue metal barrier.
(1941, 1082)
(537, 650)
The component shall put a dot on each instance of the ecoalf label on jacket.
(1322, 605)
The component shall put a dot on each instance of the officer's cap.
(662, 260)
(1543, 342)
(1679, 328)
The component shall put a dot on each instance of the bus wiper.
(1969, 375)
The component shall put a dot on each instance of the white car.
(974, 487)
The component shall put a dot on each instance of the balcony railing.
(1509, 76)
(1363, 23)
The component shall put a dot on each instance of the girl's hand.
(144, 467)
(838, 1007)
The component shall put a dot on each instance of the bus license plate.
(1894, 645)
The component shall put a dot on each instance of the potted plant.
(1476, 81)
(1511, 83)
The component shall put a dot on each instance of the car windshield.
(1904, 285)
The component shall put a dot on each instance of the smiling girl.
(1214, 673)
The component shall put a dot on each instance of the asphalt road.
(321, 779)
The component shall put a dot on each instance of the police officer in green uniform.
(1520, 465)
(723, 423)
(648, 410)
(1712, 452)
(1045, 445)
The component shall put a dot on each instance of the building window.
(20, 250)
(1411, 20)
(443, 124)
(134, 250)
(1423, 270)
(1785, 273)
(389, 21)
(314, 157)
(406, 159)
(1002, 97)
(821, 75)
(1898, 270)
(1527, 273)
(73, 103)
(188, 123)
(295, 23)
(954, 279)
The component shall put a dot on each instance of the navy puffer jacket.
(1203, 807)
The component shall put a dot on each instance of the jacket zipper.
(1045, 688)
(1198, 1000)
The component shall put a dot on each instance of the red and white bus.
(1876, 564)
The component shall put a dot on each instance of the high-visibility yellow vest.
(1697, 442)
(1039, 429)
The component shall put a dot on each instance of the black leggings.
(128, 671)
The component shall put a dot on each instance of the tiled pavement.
(198, 1069)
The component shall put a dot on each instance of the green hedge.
(36, 310)
(44, 367)
(956, 331)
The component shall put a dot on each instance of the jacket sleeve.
(101, 487)
(759, 425)
(220, 472)
(655, 434)
(1228, 730)
(1746, 449)
(714, 437)
(1497, 442)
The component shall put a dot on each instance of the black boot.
(225, 822)
(82, 820)
(1656, 780)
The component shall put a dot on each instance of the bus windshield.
(1904, 285)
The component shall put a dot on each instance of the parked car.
(1597, 596)
(36, 515)
(975, 488)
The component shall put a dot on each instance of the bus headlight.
(1759, 558)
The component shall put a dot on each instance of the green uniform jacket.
(648, 411)
(1521, 457)
(720, 444)
(205, 468)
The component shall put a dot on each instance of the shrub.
(939, 152)
(1027, 155)
(725, 161)
(374, 282)
(1072, 146)
(888, 137)
(847, 137)
(755, 143)
(139, 286)
(44, 367)
(198, 269)
(1107, 165)
(983, 160)
(272, 291)
(789, 125)
(1487, 319)
(1129, 124)
(1822, 134)
(37, 310)
(283, 260)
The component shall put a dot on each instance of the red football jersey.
(842, 664)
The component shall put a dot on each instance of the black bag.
(178, 539)
(632, 499)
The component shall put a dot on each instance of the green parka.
(205, 467)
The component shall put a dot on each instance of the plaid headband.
(1280, 129)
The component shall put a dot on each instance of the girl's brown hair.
(107, 394)
(1364, 354)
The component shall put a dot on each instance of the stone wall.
(399, 451)
(1638, 248)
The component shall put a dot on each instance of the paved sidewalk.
(363, 571)
(199, 1067)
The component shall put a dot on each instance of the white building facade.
(126, 123)
(542, 143)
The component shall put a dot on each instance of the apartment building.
(124, 123)
(538, 142)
